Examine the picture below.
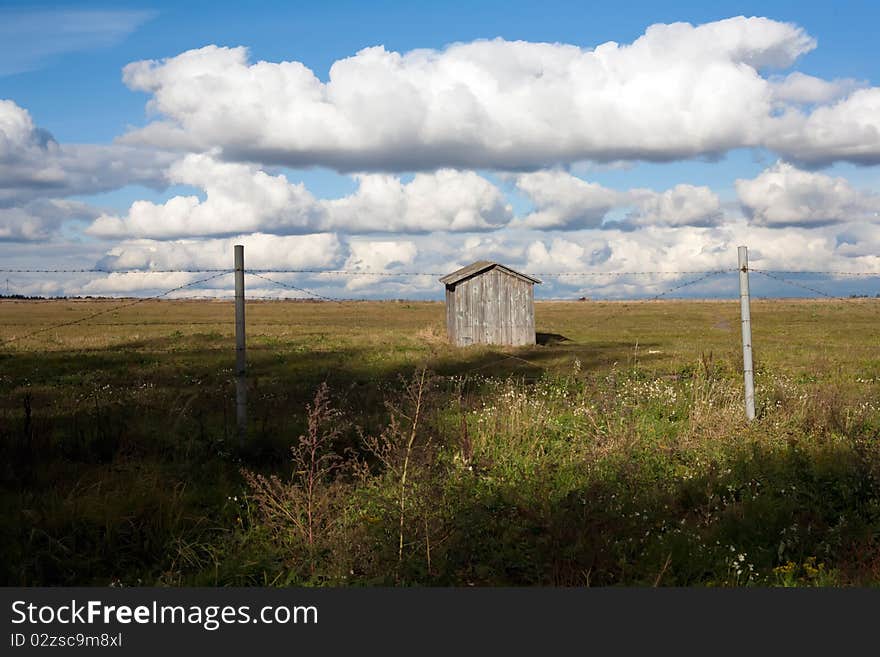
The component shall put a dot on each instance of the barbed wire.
(344, 272)
(113, 309)
(292, 287)
(794, 284)
(313, 296)
(632, 273)
(624, 308)
(675, 288)
(830, 272)
(260, 273)
(670, 290)
(112, 271)
(339, 272)
(618, 311)
(362, 272)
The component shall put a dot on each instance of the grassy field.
(615, 452)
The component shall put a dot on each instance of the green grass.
(615, 453)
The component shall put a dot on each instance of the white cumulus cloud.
(848, 129)
(242, 198)
(34, 166)
(262, 251)
(38, 220)
(384, 256)
(786, 196)
(677, 91)
(683, 205)
(563, 201)
(805, 89)
(443, 200)
(561, 255)
(239, 198)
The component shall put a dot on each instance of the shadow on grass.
(802, 515)
(170, 397)
(115, 457)
(641, 513)
(791, 516)
(550, 338)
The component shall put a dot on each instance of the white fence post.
(745, 315)
(240, 360)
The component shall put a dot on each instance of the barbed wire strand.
(706, 276)
(677, 287)
(294, 287)
(632, 273)
(340, 272)
(830, 272)
(670, 290)
(795, 284)
(112, 271)
(619, 310)
(260, 273)
(113, 309)
(361, 272)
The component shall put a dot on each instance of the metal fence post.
(240, 360)
(745, 315)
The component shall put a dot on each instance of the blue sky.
(62, 64)
(79, 95)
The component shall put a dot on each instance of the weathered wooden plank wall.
(491, 308)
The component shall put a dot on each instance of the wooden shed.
(488, 303)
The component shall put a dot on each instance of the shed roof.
(481, 266)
